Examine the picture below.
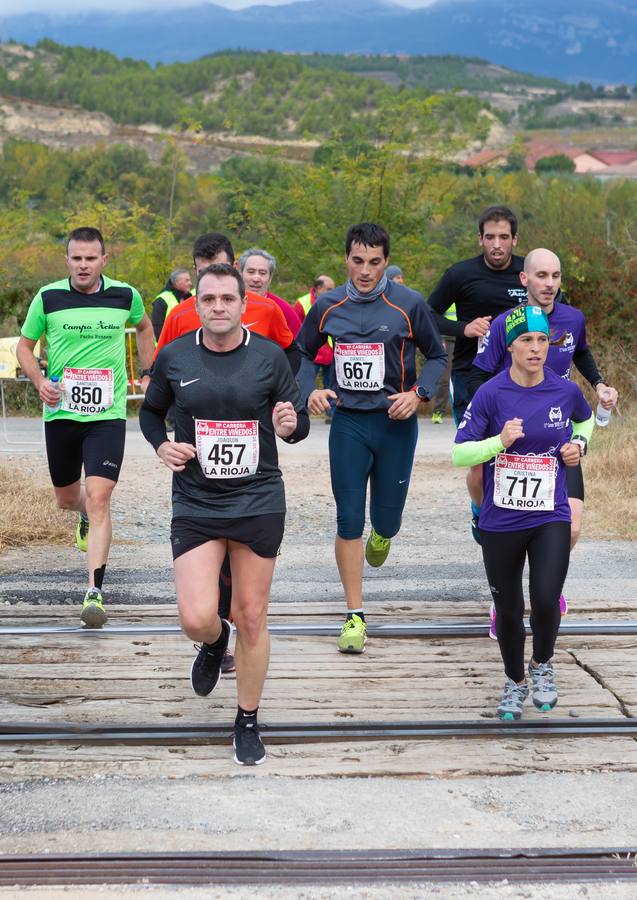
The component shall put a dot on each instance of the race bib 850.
(87, 391)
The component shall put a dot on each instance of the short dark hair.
(209, 245)
(87, 235)
(223, 269)
(368, 234)
(318, 282)
(498, 214)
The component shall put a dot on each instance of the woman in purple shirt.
(525, 426)
(542, 277)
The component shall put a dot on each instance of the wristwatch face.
(421, 393)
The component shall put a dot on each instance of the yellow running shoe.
(93, 612)
(353, 635)
(377, 549)
(81, 535)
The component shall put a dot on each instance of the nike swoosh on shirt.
(183, 383)
(249, 324)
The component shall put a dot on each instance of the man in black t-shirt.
(481, 288)
(227, 486)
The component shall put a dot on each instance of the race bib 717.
(524, 482)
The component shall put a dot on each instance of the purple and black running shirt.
(565, 322)
(524, 485)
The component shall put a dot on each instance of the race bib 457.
(227, 449)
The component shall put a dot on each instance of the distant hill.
(269, 95)
(591, 40)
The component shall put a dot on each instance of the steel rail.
(391, 630)
(323, 867)
(308, 732)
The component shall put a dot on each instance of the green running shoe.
(93, 613)
(353, 636)
(81, 535)
(437, 418)
(377, 549)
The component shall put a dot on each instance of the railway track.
(392, 630)
(305, 732)
(323, 867)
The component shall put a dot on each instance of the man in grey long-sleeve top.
(375, 326)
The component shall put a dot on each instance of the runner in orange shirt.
(261, 315)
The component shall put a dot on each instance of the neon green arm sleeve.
(584, 429)
(472, 453)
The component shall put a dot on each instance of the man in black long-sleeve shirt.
(481, 287)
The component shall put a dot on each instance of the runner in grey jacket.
(376, 327)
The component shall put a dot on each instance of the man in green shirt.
(84, 318)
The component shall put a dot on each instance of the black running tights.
(504, 553)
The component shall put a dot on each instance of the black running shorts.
(98, 446)
(262, 534)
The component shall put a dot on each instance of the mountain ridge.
(596, 42)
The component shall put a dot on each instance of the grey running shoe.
(510, 708)
(228, 663)
(543, 687)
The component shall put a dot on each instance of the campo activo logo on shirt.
(99, 326)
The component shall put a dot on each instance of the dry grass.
(28, 514)
(610, 468)
(610, 476)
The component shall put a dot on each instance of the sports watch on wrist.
(582, 443)
(420, 392)
(145, 372)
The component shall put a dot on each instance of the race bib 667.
(360, 367)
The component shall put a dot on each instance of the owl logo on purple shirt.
(555, 414)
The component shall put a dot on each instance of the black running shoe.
(248, 746)
(206, 666)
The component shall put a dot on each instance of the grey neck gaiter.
(355, 294)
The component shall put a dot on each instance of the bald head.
(323, 283)
(542, 259)
(542, 278)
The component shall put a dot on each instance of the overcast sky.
(13, 7)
